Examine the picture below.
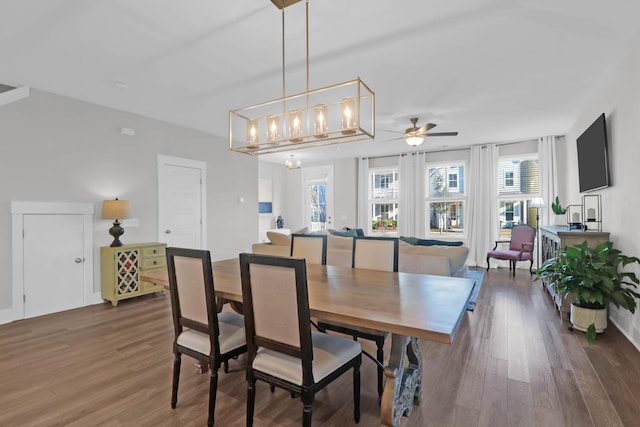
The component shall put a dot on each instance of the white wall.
(619, 99)
(54, 148)
(288, 189)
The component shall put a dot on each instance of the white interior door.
(53, 263)
(318, 197)
(181, 202)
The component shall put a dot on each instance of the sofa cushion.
(279, 238)
(432, 242)
(409, 240)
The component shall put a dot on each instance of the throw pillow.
(349, 233)
(359, 231)
(432, 242)
(278, 238)
(409, 240)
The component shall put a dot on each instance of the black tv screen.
(593, 156)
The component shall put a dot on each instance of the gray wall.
(57, 149)
(619, 99)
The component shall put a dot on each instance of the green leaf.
(591, 333)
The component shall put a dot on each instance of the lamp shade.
(537, 202)
(415, 140)
(115, 209)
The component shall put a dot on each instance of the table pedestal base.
(403, 386)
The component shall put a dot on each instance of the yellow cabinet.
(122, 266)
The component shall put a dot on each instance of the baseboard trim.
(625, 333)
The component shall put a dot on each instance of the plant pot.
(559, 220)
(582, 317)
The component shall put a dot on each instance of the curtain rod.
(468, 147)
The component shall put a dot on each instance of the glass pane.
(384, 217)
(446, 181)
(317, 193)
(517, 177)
(446, 218)
(514, 212)
(384, 185)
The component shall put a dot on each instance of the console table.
(122, 267)
(559, 237)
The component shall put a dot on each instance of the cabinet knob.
(78, 260)
(167, 231)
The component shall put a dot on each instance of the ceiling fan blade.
(441, 134)
(426, 127)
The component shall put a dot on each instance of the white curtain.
(411, 205)
(406, 192)
(419, 191)
(363, 220)
(482, 212)
(547, 165)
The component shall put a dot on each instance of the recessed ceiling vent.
(9, 94)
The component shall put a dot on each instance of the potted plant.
(594, 277)
(557, 209)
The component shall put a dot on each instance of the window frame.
(392, 188)
(514, 199)
(458, 201)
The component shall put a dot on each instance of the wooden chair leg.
(356, 393)
(251, 400)
(380, 357)
(213, 388)
(487, 263)
(177, 362)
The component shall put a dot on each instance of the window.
(508, 178)
(453, 180)
(445, 198)
(383, 199)
(518, 184)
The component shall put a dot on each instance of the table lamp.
(115, 209)
(538, 203)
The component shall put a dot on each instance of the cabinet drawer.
(154, 262)
(152, 251)
(151, 287)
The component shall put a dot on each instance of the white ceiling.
(494, 70)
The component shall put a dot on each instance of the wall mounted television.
(593, 156)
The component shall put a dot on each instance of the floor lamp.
(537, 203)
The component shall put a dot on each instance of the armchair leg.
(487, 263)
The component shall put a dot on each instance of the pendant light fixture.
(335, 114)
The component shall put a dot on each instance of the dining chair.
(283, 351)
(520, 247)
(200, 331)
(311, 247)
(371, 253)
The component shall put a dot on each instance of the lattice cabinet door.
(122, 267)
(127, 272)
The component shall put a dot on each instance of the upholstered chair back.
(521, 234)
(375, 253)
(311, 247)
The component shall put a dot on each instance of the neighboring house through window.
(517, 184)
(445, 198)
(383, 199)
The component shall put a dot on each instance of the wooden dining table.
(409, 306)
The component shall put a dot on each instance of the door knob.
(167, 231)
(78, 260)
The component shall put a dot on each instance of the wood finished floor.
(513, 363)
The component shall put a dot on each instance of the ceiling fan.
(414, 135)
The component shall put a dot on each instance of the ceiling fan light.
(414, 141)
